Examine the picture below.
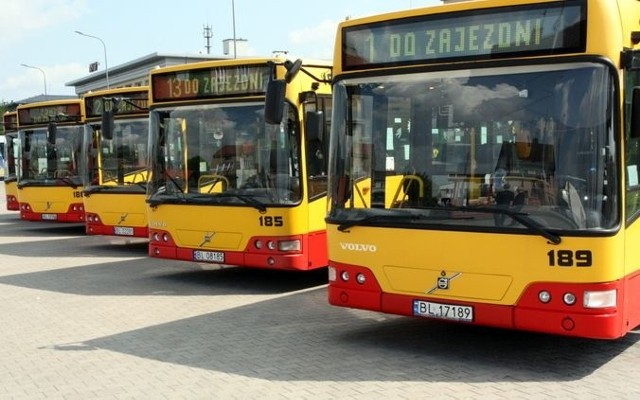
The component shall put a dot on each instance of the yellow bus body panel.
(11, 188)
(494, 268)
(112, 206)
(233, 226)
(54, 199)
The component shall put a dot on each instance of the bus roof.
(112, 91)
(236, 61)
(49, 103)
(41, 113)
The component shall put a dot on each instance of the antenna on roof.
(207, 32)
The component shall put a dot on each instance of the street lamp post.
(44, 76)
(106, 66)
(233, 17)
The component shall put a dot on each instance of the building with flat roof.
(44, 97)
(134, 72)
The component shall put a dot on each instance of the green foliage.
(4, 107)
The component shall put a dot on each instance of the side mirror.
(107, 125)
(292, 69)
(343, 190)
(274, 101)
(314, 125)
(635, 114)
(52, 130)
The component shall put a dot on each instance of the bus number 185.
(267, 220)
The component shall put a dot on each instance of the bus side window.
(316, 149)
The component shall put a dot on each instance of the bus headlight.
(332, 274)
(569, 299)
(289, 245)
(344, 276)
(600, 299)
(544, 296)
(360, 278)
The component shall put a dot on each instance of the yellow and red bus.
(49, 178)
(484, 165)
(10, 120)
(229, 186)
(115, 153)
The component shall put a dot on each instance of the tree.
(4, 107)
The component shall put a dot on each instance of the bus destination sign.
(125, 103)
(10, 121)
(211, 82)
(540, 29)
(53, 113)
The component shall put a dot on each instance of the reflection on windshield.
(44, 162)
(120, 161)
(214, 149)
(11, 151)
(538, 144)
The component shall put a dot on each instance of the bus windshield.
(122, 158)
(478, 149)
(49, 164)
(223, 154)
(10, 160)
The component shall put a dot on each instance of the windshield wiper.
(96, 189)
(387, 216)
(163, 171)
(519, 216)
(142, 185)
(161, 196)
(444, 213)
(177, 185)
(68, 182)
(114, 188)
(258, 205)
(31, 182)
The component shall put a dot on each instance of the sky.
(41, 33)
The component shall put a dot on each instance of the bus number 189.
(569, 258)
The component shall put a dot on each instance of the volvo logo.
(443, 282)
(365, 247)
(122, 218)
(207, 238)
